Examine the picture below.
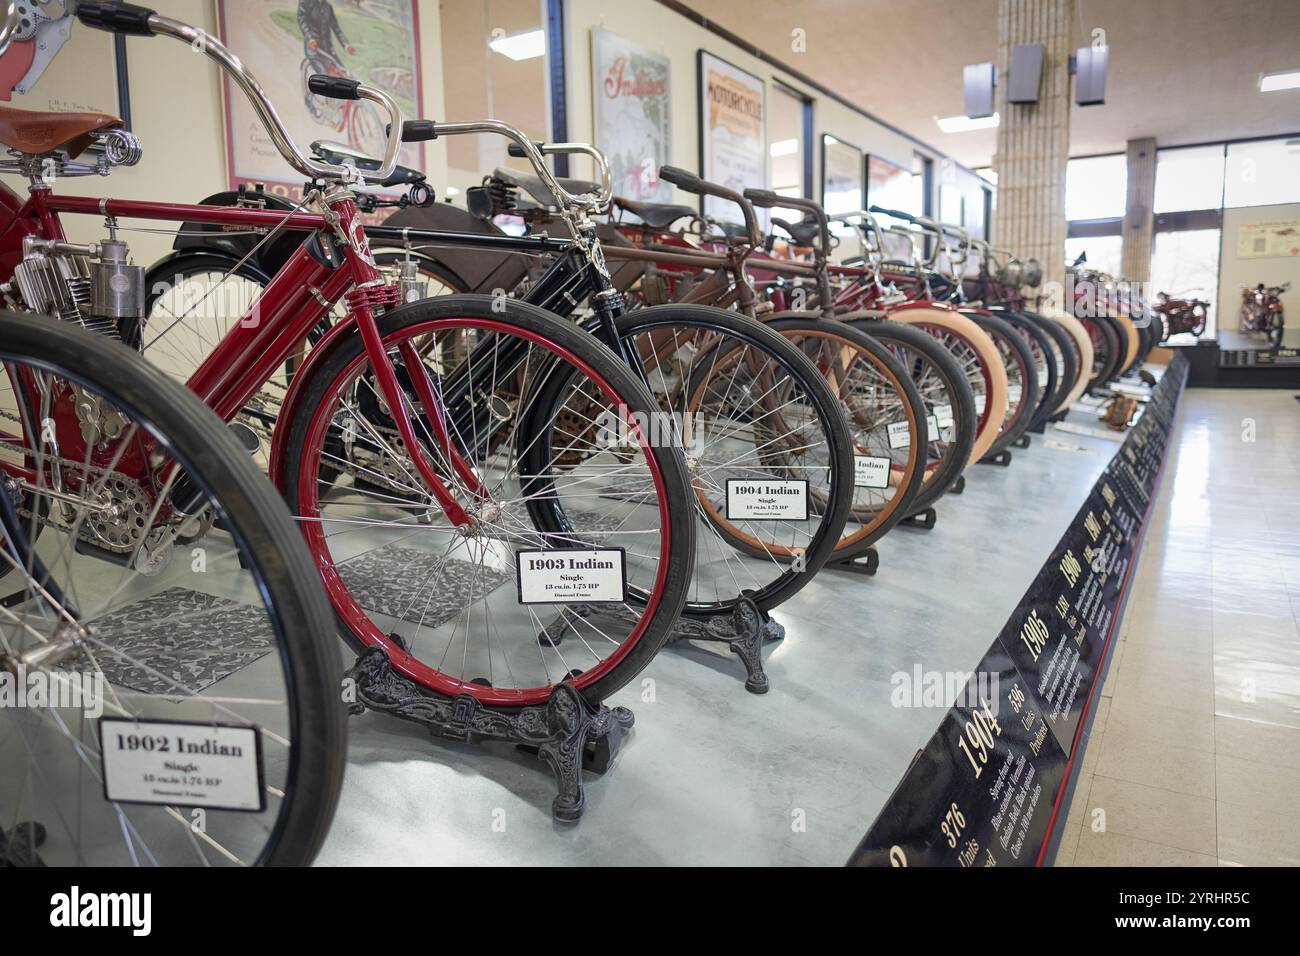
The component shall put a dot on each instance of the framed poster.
(630, 102)
(843, 176)
(733, 142)
(282, 43)
(1269, 240)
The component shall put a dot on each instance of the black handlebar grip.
(334, 87)
(517, 151)
(418, 131)
(116, 18)
(762, 197)
(895, 213)
(681, 178)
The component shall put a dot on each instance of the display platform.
(987, 788)
(715, 775)
(1237, 360)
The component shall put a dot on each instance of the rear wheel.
(1022, 379)
(752, 408)
(949, 402)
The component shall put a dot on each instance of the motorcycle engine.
(94, 285)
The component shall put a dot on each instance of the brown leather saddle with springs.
(36, 132)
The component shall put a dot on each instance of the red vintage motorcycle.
(1261, 311)
(1179, 316)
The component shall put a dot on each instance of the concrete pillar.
(1139, 223)
(1034, 138)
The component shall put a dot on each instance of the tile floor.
(1194, 757)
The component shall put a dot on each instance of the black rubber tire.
(1107, 358)
(898, 336)
(1048, 373)
(256, 518)
(627, 384)
(1006, 336)
(836, 508)
(902, 505)
(1068, 352)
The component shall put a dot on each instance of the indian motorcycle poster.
(732, 139)
(631, 95)
(282, 43)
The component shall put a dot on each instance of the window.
(1095, 188)
(1186, 264)
(1104, 252)
(1262, 173)
(1189, 178)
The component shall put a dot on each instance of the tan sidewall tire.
(1133, 342)
(980, 340)
(1076, 329)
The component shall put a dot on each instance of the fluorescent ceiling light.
(964, 124)
(521, 46)
(1285, 80)
(784, 147)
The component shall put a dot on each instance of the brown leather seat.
(35, 132)
(656, 215)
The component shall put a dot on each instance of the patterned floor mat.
(408, 584)
(179, 637)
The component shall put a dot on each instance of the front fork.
(369, 292)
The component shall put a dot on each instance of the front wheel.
(172, 605)
(543, 438)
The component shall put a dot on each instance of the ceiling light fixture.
(521, 46)
(964, 124)
(1283, 80)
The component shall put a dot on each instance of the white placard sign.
(900, 434)
(572, 576)
(182, 764)
(869, 472)
(767, 499)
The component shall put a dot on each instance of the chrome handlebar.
(533, 152)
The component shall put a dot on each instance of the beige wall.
(1235, 274)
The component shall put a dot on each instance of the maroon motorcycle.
(1180, 315)
(1261, 311)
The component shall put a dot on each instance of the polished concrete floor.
(712, 774)
(1195, 753)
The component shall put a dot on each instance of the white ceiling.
(1183, 71)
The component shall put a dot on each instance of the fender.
(321, 351)
(172, 263)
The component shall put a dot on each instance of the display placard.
(571, 576)
(987, 786)
(900, 434)
(870, 471)
(182, 764)
(767, 499)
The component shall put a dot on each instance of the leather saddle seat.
(656, 215)
(806, 232)
(36, 132)
(535, 188)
